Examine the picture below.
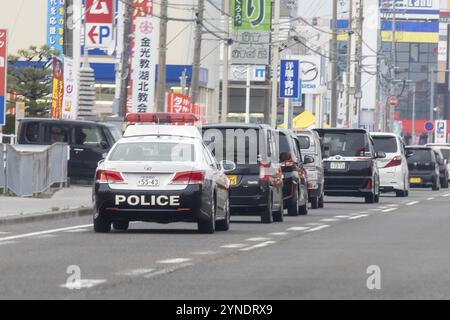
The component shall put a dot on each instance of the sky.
(315, 8)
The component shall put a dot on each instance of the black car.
(443, 170)
(89, 141)
(257, 182)
(295, 189)
(423, 168)
(350, 164)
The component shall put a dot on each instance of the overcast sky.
(315, 8)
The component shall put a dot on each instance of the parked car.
(89, 141)
(445, 150)
(423, 168)
(350, 164)
(443, 171)
(310, 145)
(257, 181)
(295, 178)
(394, 172)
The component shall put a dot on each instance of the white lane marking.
(390, 210)
(174, 261)
(76, 231)
(1, 232)
(135, 272)
(5, 243)
(234, 246)
(279, 234)
(329, 220)
(393, 205)
(364, 212)
(412, 203)
(82, 284)
(376, 210)
(358, 217)
(260, 239)
(33, 234)
(314, 224)
(204, 253)
(432, 198)
(342, 217)
(168, 270)
(446, 195)
(382, 208)
(299, 228)
(318, 228)
(44, 236)
(259, 246)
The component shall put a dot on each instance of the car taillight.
(264, 172)
(191, 177)
(107, 176)
(303, 174)
(397, 161)
(369, 185)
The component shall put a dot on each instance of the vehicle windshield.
(345, 144)
(385, 144)
(284, 144)
(115, 132)
(420, 156)
(153, 152)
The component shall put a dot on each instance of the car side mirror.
(308, 160)
(380, 155)
(227, 166)
(104, 145)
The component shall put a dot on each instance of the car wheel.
(101, 224)
(370, 199)
(121, 225)
(315, 203)
(304, 209)
(322, 202)
(436, 186)
(445, 184)
(224, 225)
(208, 226)
(401, 194)
(266, 214)
(293, 209)
(278, 216)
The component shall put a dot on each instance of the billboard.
(411, 9)
(3, 74)
(58, 89)
(252, 26)
(70, 101)
(290, 79)
(99, 24)
(56, 25)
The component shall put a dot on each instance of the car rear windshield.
(420, 156)
(305, 142)
(154, 152)
(345, 144)
(284, 144)
(386, 144)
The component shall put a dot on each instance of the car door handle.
(78, 150)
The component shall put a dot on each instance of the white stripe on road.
(168, 270)
(413, 203)
(174, 261)
(279, 234)
(329, 220)
(298, 228)
(446, 195)
(429, 199)
(135, 272)
(318, 228)
(359, 217)
(261, 239)
(82, 284)
(44, 236)
(259, 246)
(234, 246)
(390, 210)
(342, 217)
(204, 253)
(76, 231)
(34, 234)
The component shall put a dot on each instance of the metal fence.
(31, 170)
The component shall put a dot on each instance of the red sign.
(99, 23)
(3, 75)
(393, 101)
(99, 11)
(178, 103)
(58, 89)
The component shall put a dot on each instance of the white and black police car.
(161, 171)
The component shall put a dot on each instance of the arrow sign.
(99, 24)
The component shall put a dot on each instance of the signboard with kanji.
(3, 74)
(56, 24)
(290, 79)
(58, 89)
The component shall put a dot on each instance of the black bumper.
(428, 179)
(348, 186)
(186, 209)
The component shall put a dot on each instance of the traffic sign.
(429, 126)
(393, 101)
(99, 24)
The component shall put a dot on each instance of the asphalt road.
(325, 255)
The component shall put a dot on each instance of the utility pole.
(349, 59)
(126, 53)
(162, 65)
(394, 63)
(275, 60)
(334, 67)
(359, 58)
(197, 52)
(226, 62)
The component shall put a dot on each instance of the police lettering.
(148, 201)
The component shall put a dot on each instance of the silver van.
(311, 146)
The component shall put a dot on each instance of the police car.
(161, 173)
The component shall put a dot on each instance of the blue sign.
(429, 126)
(2, 111)
(289, 79)
(56, 25)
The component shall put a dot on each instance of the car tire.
(208, 226)
(224, 225)
(445, 185)
(278, 216)
(315, 203)
(322, 201)
(370, 199)
(267, 214)
(101, 224)
(121, 225)
(436, 186)
(401, 194)
(293, 209)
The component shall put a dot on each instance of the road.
(325, 255)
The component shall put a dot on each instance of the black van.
(423, 168)
(257, 182)
(350, 164)
(88, 141)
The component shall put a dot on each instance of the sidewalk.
(71, 199)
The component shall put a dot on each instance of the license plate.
(233, 180)
(148, 181)
(338, 166)
(415, 180)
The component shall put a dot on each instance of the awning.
(303, 121)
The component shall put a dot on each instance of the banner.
(70, 101)
(144, 67)
(3, 74)
(58, 89)
(56, 24)
(178, 103)
(252, 27)
(99, 24)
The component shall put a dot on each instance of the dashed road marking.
(234, 246)
(359, 217)
(318, 228)
(82, 284)
(34, 234)
(204, 253)
(412, 203)
(329, 220)
(432, 198)
(446, 195)
(135, 272)
(258, 239)
(390, 210)
(174, 261)
(299, 228)
(76, 231)
(342, 217)
(259, 246)
(168, 270)
(279, 234)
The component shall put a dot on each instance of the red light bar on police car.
(162, 118)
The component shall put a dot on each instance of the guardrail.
(31, 170)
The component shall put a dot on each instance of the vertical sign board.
(289, 79)
(56, 24)
(3, 74)
(144, 67)
(441, 132)
(58, 89)
(252, 28)
(99, 24)
(178, 103)
(70, 101)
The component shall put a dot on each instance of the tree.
(33, 81)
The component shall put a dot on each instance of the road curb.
(46, 216)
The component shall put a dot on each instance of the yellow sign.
(415, 180)
(233, 180)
